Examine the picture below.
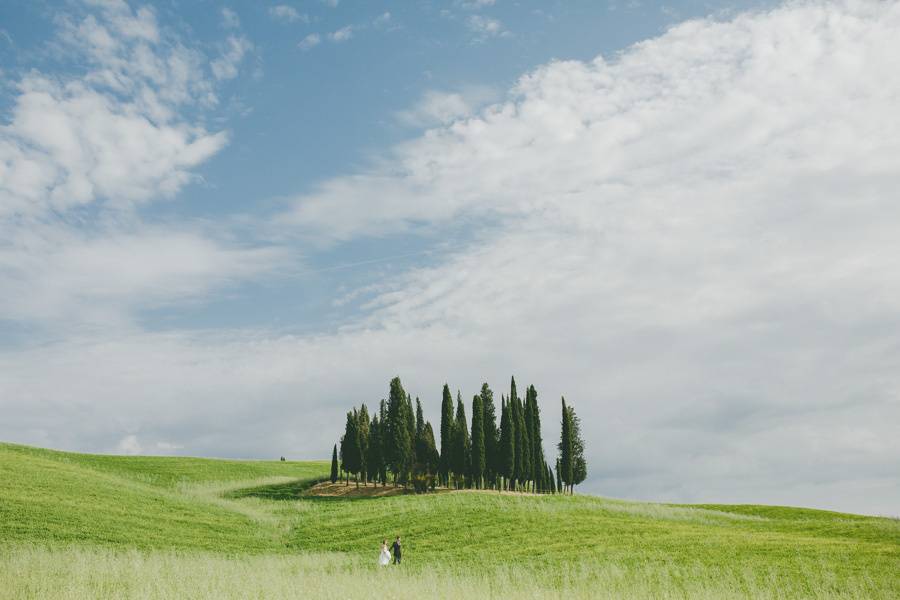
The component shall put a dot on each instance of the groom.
(395, 547)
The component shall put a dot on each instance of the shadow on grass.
(292, 490)
(319, 490)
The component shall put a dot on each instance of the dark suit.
(396, 550)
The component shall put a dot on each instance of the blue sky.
(297, 117)
(222, 224)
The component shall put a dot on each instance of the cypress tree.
(478, 442)
(551, 480)
(362, 432)
(491, 436)
(398, 440)
(334, 465)
(432, 458)
(528, 466)
(507, 443)
(446, 435)
(579, 466)
(537, 444)
(350, 446)
(374, 457)
(461, 443)
(566, 470)
(383, 439)
(419, 433)
(559, 485)
(522, 461)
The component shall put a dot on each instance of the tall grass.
(39, 573)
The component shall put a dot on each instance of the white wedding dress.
(385, 558)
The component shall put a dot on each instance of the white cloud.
(341, 35)
(442, 108)
(310, 41)
(230, 19)
(80, 151)
(382, 20)
(288, 14)
(476, 4)
(226, 66)
(486, 27)
(331, 3)
(112, 134)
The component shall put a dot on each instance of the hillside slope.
(62, 513)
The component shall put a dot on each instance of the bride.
(384, 558)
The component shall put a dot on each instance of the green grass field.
(76, 525)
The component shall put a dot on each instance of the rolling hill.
(74, 525)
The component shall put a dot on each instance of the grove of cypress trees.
(446, 435)
(478, 442)
(334, 465)
(491, 436)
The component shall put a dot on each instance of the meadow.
(76, 525)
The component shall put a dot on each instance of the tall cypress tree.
(334, 465)
(522, 460)
(399, 441)
(491, 436)
(383, 438)
(537, 443)
(362, 433)
(579, 466)
(350, 446)
(478, 442)
(461, 443)
(507, 443)
(446, 435)
(374, 457)
(527, 422)
(420, 432)
(559, 485)
(565, 469)
(551, 479)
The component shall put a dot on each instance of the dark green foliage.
(399, 443)
(350, 459)
(478, 443)
(362, 441)
(492, 460)
(579, 465)
(565, 447)
(507, 442)
(384, 440)
(446, 434)
(461, 443)
(537, 443)
(334, 465)
(374, 458)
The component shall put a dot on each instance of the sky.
(224, 224)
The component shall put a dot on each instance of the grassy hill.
(74, 525)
